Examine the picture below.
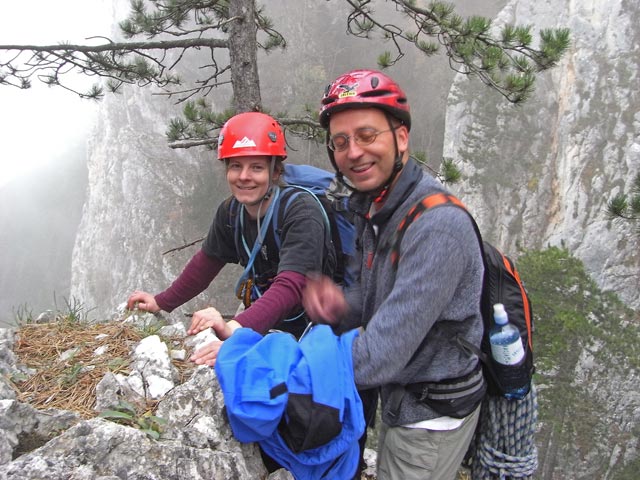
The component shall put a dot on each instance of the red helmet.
(362, 89)
(251, 133)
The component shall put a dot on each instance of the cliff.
(541, 173)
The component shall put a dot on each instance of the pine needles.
(70, 358)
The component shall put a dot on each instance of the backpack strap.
(440, 199)
(293, 191)
(454, 397)
(430, 201)
(510, 267)
(245, 288)
(335, 207)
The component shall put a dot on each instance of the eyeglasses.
(363, 136)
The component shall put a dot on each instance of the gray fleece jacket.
(412, 316)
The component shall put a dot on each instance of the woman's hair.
(278, 167)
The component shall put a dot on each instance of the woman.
(252, 147)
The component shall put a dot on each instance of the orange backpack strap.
(430, 201)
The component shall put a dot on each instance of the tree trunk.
(243, 54)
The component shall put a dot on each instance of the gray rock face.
(144, 199)
(542, 173)
(25, 428)
(98, 449)
(195, 443)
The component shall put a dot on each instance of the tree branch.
(124, 46)
(182, 247)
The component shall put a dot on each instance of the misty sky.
(36, 124)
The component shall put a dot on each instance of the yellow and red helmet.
(251, 133)
(365, 89)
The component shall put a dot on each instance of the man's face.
(367, 165)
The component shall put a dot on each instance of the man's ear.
(402, 137)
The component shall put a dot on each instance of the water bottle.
(508, 352)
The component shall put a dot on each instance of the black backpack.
(501, 284)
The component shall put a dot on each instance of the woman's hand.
(211, 318)
(207, 354)
(142, 301)
(203, 319)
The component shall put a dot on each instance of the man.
(414, 311)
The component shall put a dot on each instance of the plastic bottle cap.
(499, 314)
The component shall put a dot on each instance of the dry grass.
(67, 367)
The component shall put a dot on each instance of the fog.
(42, 159)
(43, 132)
(39, 214)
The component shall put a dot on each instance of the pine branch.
(123, 46)
(507, 64)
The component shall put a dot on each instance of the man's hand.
(323, 300)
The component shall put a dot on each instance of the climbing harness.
(248, 287)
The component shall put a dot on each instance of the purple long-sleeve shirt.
(281, 297)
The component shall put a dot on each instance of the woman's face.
(248, 178)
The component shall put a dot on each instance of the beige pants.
(421, 454)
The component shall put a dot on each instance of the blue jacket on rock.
(298, 400)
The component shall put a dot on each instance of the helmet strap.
(272, 167)
(381, 193)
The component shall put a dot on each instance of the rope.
(504, 445)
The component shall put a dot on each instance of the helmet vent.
(376, 93)
(374, 82)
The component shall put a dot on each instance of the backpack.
(321, 185)
(501, 284)
(334, 201)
